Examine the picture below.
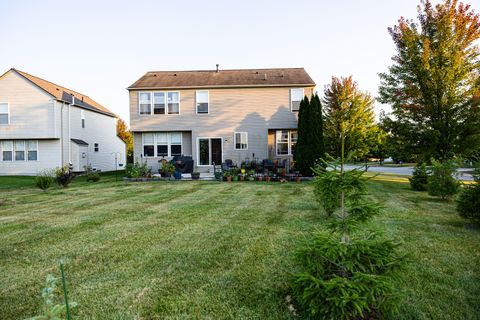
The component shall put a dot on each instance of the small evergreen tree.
(309, 147)
(419, 179)
(468, 202)
(442, 183)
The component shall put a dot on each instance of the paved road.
(408, 171)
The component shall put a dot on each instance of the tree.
(309, 147)
(127, 137)
(348, 114)
(433, 85)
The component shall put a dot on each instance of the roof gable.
(64, 94)
(279, 77)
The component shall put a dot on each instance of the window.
(159, 103)
(296, 96)
(145, 101)
(82, 116)
(173, 102)
(162, 144)
(4, 115)
(95, 147)
(32, 150)
(175, 144)
(202, 102)
(7, 150)
(148, 145)
(240, 140)
(19, 150)
(286, 140)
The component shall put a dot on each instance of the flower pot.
(195, 175)
(260, 178)
(298, 179)
(242, 178)
(177, 175)
(229, 179)
(235, 178)
(268, 178)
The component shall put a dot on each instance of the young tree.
(348, 114)
(127, 137)
(433, 85)
(309, 147)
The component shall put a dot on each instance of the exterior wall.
(99, 129)
(154, 161)
(32, 111)
(252, 110)
(48, 158)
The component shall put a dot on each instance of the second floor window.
(82, 116)
(202, 102)
(95, 147)
(145, 101)
(4, 113)
(159, 103)
(173, 102)
(296, 96)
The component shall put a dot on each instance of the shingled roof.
(64, 94)
(279, 77)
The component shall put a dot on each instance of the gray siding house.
(214, 115)
(44, 125)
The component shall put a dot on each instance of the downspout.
(69, 134)
(61, 133)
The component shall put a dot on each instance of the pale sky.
(101, 47)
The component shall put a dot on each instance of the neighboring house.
(214, 115)
(44, 125)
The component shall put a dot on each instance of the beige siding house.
(214, 115)
(43, 126)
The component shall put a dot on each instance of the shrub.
(64, 176)
(90, 174)
(468, 202)
(342, 280)
(137, 170)
(442, 182)
(45, 179)
(419, 179)
(168, 167)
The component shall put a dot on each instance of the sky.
(100, 47)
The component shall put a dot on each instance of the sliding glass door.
(209, 151)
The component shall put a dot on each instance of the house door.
(209, 151)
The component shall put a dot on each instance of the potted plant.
(177, 175)
(167, 170)
(260, 177)
(235, 178)
(242, 174)
(251, 175)
(228, 175)
(195, 175)
(298, 177)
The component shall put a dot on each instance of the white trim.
(155, 143)
(208, 102)
(12, 150)
(8, 114)
(152, 103)
(291, 96)
(235, 140)
(289, 142)
(164, 103)
(209, 151)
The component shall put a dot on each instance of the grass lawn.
(181, 250)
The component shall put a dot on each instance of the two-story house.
(44, 126)
(213, 115)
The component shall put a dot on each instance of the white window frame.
(210, 151)
(28, 150)
(15, 150)
(289, 142)
(152, 103)
(8, 114)
(235, 140)
(82, 117)
(166, 98)
(139, 102)
(196, 102)
(155, 143)
(291, 98)
(11, 149)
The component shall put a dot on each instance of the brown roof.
(280, 77)
(64, 94)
